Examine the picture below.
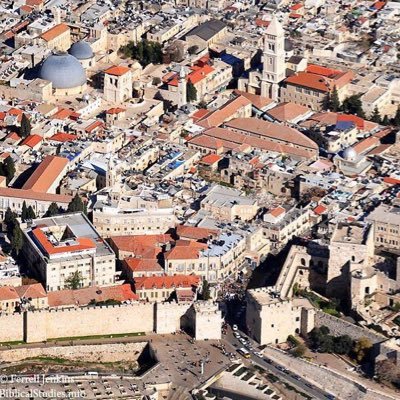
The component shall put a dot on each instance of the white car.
(235, 327)
(236, 334)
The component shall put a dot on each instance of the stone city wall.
(11, 327)
(339, 327)
(42, 325)
(87, 353)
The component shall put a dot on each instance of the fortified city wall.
(42, 325)
(339, 327)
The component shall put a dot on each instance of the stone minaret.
(182, 87)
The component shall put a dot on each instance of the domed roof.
(81, 50)
(63, 71)
(350, 154)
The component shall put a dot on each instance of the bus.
(243, 352)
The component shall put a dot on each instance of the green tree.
(353, 105)
(52, 210)
(343, 344)
(385, 120)
(326, 344)
(361, 349)
(396, 118)
(24, 212)
(146, 52)
(76, 205)
(30, 213)
(376, 116)
(193, 49)
(205, 293)
(10, 220)
(333, 103)
(299, 350)
(74, 280)
(16, 239)
(9, 169)
(26, 127)
(191, 92)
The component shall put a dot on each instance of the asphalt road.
(284, 375)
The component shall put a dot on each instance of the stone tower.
(274, 66)
(111, 173)
(182, 87)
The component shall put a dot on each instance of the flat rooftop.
(78, 225)
(385, 214)
(350, 233)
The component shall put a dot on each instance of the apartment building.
(282, 224)
(229, 204)
(162, 288)
(212, 261)
(386, 226)
(57, 248)
(310, 88)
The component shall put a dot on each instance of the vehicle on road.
(268, 360)
(282, 369)
(237, 335)
(258, 354)
(243, 352)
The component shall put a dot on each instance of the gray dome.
(81, 50)
(63, 71)
(350, 154)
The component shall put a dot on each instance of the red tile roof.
(82, 243)
(54, 32)
(200, 114)
(185, 250)
(145, 246)
(210, 159)
(168, 282)
(13, 136)
(262, 22)
(194, 232)
(276, 212)
(366, 144)
(225, 112)
(84, 296)
(63, 137)
(218, 138)
(288, 111)
(117, 70)
(31, 195)
(34, 291)
(199, 72)
(320, 209)
(137, 265)
(46, 173)
(296, 7)
(115, 110)
(379, 5)
(257, 101)
(31, 141)
(63, 113)
(320, 78)
(272, 131)
(309, 81)
(359, 122)
(8, 293)
(391, 181)
(34, 2)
